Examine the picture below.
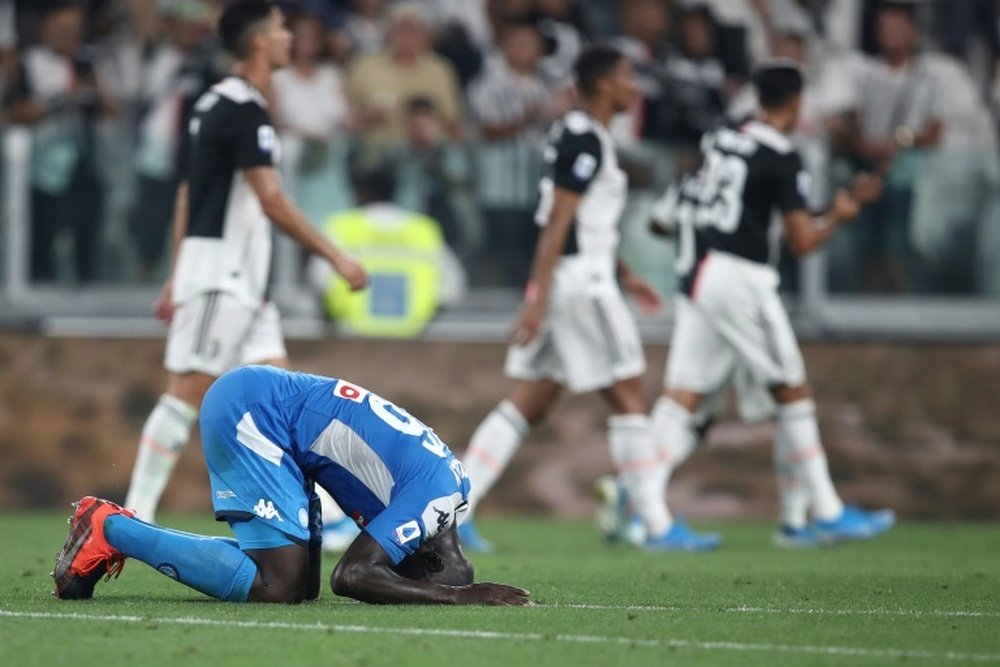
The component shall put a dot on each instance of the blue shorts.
(256, 534)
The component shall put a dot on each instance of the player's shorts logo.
(223, 495)
(265, 510)
(408, 532)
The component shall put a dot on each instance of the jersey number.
(722, 180)
(404, 422)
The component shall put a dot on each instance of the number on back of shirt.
(394, 416)
(722, 180)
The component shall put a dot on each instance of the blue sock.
(211, 565)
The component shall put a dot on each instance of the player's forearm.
(814, 234)
(290, 220)
(378, 584)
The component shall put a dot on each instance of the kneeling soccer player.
(268, 436)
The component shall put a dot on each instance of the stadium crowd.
(450, 100)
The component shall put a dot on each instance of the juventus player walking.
(215, 298)
(575, 329)
(730, 315)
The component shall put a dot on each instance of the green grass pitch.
(923, 595)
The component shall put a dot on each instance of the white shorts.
(735, 321)
(216, 332)
(589, 339)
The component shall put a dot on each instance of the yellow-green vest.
(404, 262)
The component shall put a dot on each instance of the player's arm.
(254, 143)
(577, 162)
(551, 242)
(366, 573)
(266, 183)
(806, 232)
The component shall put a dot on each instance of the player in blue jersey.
(268, 436)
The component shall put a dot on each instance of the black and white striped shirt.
(508, 169)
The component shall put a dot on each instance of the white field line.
(664, 643)
(743, 609)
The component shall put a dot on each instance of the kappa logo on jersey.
(584, 166)
(443, 520)
(350, 391)
(441, 513)
(265, 510)
(266, 139)
(408, 532)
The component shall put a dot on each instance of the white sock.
(640, 469)
(798, 437)
(491, 448)
(793, 497)
(674, 434)
(167, 430)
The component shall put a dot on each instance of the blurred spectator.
(60, 96)
(897, 114)
(380, 84)
(456, 46)
(8, 44)
(645, 25)
(434, 176)
(512, 106)
(697, 85)
(470, 15)
(365, 27)
(176, 71)
(564, 33)
(314, 116)
(970, 30)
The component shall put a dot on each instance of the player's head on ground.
(439, 560)
(779, 84)
(256, 30)
(603, 73)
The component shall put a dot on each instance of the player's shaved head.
(240, 21)
(777, 83)
(440, 561)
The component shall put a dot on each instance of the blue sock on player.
(214, 566)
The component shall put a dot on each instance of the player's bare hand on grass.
(352, 271)
(489, 593)
(648, 299)
(528, 324)
(866, 188)
(163, 307)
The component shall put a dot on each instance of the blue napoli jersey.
(385, 468)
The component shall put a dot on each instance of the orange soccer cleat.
(79, 563)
